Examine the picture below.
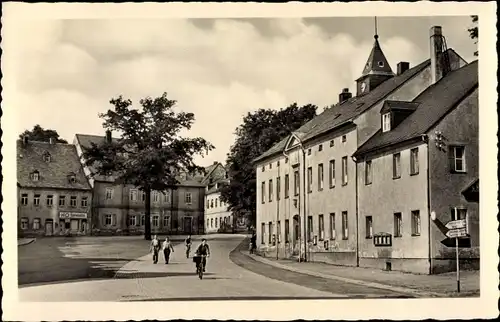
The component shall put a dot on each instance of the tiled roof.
(214, 188)
(345, 112)
(434, 103)
(85, 140)
(63, 162)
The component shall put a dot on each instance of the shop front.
(73, 222)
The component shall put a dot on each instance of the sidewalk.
(25, 241)
(441, 285)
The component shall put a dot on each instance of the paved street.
(245, 278)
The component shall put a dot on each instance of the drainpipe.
(425, 139)
(278, 199)
(357, 212)
(305, 215)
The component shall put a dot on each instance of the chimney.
(215, 162)
(108, 136)
(403, 67)
(51, 140)
(345, 95)
(436, 46)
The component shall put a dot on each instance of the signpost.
(457, 229)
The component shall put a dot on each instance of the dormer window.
(386, 122)
(35, 176)
(72, 178)
(46, 157)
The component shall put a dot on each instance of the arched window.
(46, 157)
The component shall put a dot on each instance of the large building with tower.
(323, 193)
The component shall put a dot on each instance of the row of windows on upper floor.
(457, 164)
(50, 200)
(309, 152)
(210, 203)
(156, 196)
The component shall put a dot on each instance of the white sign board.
(456, 233)
(456, 224)
(74, 215)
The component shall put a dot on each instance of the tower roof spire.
(377, 64)
(376, 33)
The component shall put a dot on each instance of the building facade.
(120, 208)
(310, 180)
(422, 162)
(218, 218)
(54, 195)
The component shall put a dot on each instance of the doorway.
(188, 225)
(49, 227)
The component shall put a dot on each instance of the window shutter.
(113, 219)
(451, 159)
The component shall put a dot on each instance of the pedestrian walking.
(155, 248)
(167, 248)
(253, 243)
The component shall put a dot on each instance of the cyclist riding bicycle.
(204, 251)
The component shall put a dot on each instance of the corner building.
(307, 184)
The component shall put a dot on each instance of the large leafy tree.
(259, 131)
(474, 31)
(40, 134)
(150, 153)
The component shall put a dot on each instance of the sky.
(219, 69)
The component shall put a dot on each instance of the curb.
(404, 290)
(25, 242)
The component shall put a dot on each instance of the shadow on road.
(156, 274)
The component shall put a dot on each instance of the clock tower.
(376, 71)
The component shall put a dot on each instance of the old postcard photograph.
(249, 161)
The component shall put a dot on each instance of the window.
(216, 202)
(72, 201)
(369, 227)
(166, 196)
(263, 233)
(333, 234)
(216, 222)
(263, 168)
(35, 176)
(132, 221)
(320, 176)
(108, 220)
(278, 188)
(188, 198)
(321, 227)
(286, 160)
(380, 64)
(415, 223)
(62, 200)
(344, 171)
(270, 190)
(133, 194)
(36, 224)
(332, 143)
(457, 159)
(211, 203)
(278, 231)
(309, 152)
(368, 172)
(109, 193)
(270, 232)
(156, 221)
(398, 224)
(143, 196)
(143, 220)
(46, 157)
(396, 166)
(166, 222)
(287, 186)
(287, 229)
(24, 199)
(345, 226)
(36, 200)
(24, 223)
(50, 200)
(84, 201)
(263, 192)
(212, 222)
(386, 122)
(458, 213)
(344, 138)
(414, 161)
(72, 179)
(309, 179)
(270, 165)
(309, 228)
(320, 147)
(278, 163)
(156, 196)
(296, 178)
(332, 174)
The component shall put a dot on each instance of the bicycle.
(199, 265)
